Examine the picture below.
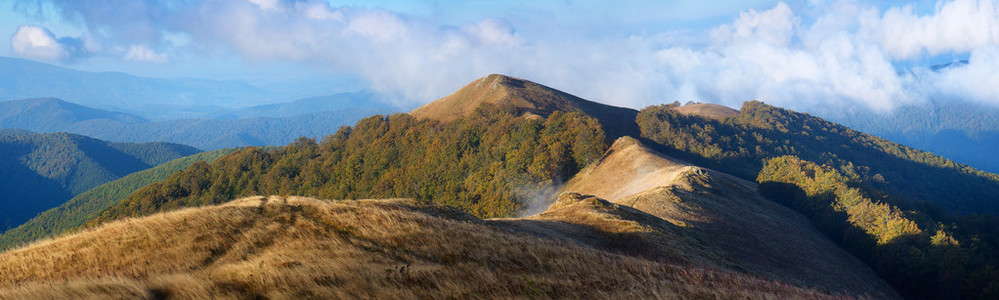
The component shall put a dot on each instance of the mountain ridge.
(301, 247)
(41, 170)
(525, 98)
(60, 116)
(724, 213)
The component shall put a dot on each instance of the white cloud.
(958, 26)
(976, 81)
(807, 55)
(37, 43)
(775, 26)
(142, 53)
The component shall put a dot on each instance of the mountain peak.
(503, 91)
(525, 98)
(708, 110)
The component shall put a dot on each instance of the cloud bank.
(803, 56)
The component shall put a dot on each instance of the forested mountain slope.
(41, 171)
(926, 224)
(88, 205)
(740, 145)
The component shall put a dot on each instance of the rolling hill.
(724, 216)
(926, 224)
(75, 212)
(715, 219)
(42, 171)
(525, 98)
(276, 247)
(740, 145)
(54, 115)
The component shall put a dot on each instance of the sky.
(803, 55)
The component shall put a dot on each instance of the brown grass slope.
(721, 221)
(708, 110)
(295, 247)
(526, 98)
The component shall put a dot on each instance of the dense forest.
(41, 171)
(491, 164)
(877, 198)
(88, 205)
(741, 145)
(922, 256)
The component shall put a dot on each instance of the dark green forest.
(741, 145)
(41, 171)
(491, 164)
(896, 208)
(923, 257)
(88, 205)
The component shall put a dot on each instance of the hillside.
(522, 97)
(707, 110)
(488, 165)
(739, 146)
(42, 171)
(278, 247)
(926, 224)
(720, 220)
(88, 205)
(53, 115)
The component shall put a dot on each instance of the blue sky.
(800, 54)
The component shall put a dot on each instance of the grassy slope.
(721, 221)
(304, 248)
(526, 97)
(88, 205)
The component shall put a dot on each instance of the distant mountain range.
(311, 117)
(41, 171)
(962, 131)
(85, 206)
(20, 78)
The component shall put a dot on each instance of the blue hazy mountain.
(43, 170)
(286, 122)
(963, 131)
(20, 78)
(51, 114)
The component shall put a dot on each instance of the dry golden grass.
(528, 99)
(305, 248)
(720, 221)
(708, 110)
(499, 90)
